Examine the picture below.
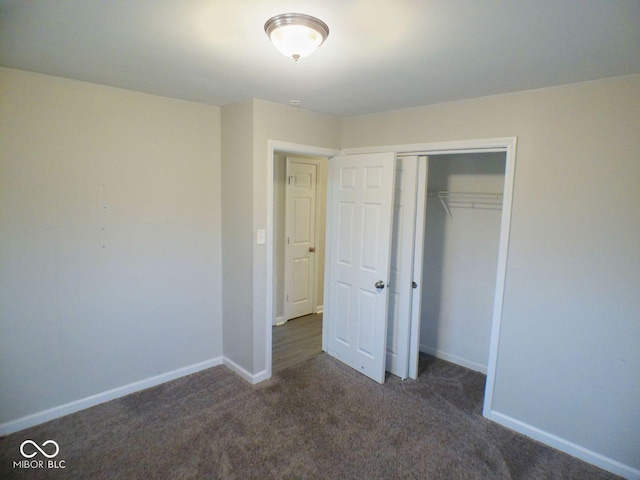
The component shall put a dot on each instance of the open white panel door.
(401, 278)
(358, 254)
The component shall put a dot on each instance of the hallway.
(296, 341)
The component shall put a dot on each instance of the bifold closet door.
(418, 255)
(401, 277)
(359, 220)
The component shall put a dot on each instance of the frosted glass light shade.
(296, 35)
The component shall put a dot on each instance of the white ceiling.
(380, 55)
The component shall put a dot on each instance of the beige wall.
(568, 360)
(110, 245)
(237, 232)
(279, 219)
(321, 220)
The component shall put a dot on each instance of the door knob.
(312, 249)
(379, 285)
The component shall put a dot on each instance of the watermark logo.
(39, 449)
(49, 449)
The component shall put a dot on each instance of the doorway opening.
(299, 204)
(299, 189)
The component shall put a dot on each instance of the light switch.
(262, 236)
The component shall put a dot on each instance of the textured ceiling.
(380, 55)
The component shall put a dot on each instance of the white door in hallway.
(300, 234)
(358, 256)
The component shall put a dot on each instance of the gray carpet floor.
(317, 420)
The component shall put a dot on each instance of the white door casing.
(358, 255)
(300, 224)
(401, 276)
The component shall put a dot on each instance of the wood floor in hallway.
(296, 341)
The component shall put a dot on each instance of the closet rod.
(472, 198)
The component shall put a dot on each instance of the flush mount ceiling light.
(296, 35)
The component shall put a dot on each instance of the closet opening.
(462, 225)
(459, 260)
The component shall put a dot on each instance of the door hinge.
(288, 241)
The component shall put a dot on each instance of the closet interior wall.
(460, 259)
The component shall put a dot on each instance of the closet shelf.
(448, 199)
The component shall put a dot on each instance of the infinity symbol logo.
(31, 455)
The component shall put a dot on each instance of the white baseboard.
(454, 359)
(566, 446)
(252, 378)
(319, 308)
(261, 376)
(280, 321)
(77, 405)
